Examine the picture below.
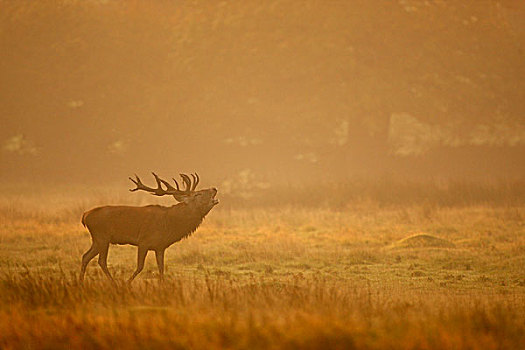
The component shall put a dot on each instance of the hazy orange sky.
(283, 90)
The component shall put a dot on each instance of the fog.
(276, 91)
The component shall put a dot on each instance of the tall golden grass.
(213, 311)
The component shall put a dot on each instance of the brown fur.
(152, 227)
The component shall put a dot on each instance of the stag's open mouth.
(214, 201)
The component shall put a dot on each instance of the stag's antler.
(159, 191)
(195, 181)
(177, 193)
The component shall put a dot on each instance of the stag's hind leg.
(141, 257)
(103, 258)
(86, 258)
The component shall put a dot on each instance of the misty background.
(265, 92)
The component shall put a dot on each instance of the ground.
(359, 276)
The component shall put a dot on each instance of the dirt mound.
(423, 240)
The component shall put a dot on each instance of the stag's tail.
(83, 221)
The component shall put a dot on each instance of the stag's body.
(152, 227)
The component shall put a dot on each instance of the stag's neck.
(182, 221)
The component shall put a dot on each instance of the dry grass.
(282, 277)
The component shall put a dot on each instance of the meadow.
(411, 268)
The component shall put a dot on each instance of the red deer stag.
(152, 227)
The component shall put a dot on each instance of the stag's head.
(202, 200)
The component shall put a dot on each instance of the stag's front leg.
(159, 254)
(141, 257)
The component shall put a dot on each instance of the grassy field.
(360, 275)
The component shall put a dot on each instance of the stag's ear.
(180, 199)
